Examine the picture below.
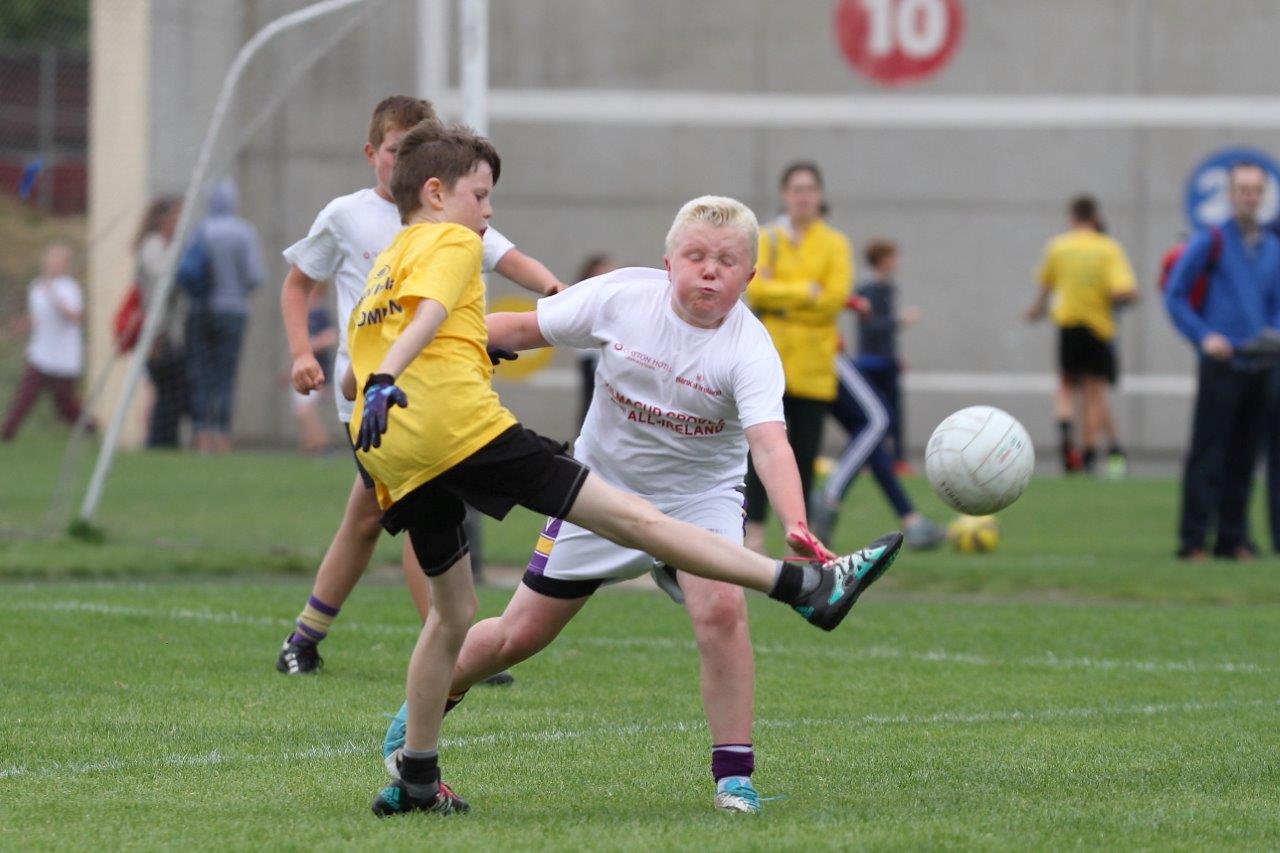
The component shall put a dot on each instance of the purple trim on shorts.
(326, 609)
(537, 561)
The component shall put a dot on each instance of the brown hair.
(432, 150)
(878, 250)
(593, 263)
(1084, 209)
(398, 112)
(153, 219)
(812, 168)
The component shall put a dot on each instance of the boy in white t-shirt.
(688, 381)
(341, 247)
(55, 350)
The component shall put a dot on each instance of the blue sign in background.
(1206, 193)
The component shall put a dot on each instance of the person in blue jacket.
(1241, 262)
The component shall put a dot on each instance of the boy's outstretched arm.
(776, 464)
(514, 330)
(294, 295)
(528, 272)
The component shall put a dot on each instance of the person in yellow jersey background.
(803, 277)
(1087, 275)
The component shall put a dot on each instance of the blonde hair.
(722, 212)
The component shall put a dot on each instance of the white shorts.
(571, 562)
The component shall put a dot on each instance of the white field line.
(942, 656)
(630, 731)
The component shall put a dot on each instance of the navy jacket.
(878, 333)
(1244, 288)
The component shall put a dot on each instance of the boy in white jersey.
(341, 247)
(688, 381)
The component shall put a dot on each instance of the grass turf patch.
(178, 514)
(918, 723)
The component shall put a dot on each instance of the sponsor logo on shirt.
(643, 359)
(696, 384)
(681, 423)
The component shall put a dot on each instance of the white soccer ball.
(979, 460)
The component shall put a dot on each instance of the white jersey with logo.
(671, 400)
(340, 248)
(56, 346)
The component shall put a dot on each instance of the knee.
(719, 615)
(523, 640)
(453, 619)
(366, 522)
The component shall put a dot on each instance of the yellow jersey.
(798, 292)
(1085, 270)
(453, 410)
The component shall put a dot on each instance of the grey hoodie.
(235, 257)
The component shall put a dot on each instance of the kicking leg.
(343, 564)
(528, 625)
(718, 612)
(823, 595)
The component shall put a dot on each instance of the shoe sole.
(892, 543)
(389, 763)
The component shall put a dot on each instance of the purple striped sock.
(326, 609)
(312, 634)
(732, 759)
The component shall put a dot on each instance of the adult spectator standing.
(803, 277)
(1088, 274)
(55, 348)
(166, 363)
(216, 322)
(1241, 263)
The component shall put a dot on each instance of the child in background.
(866, 405)
(878, 358)
(55, 348)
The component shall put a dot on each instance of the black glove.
(380, 394)
(497, 355)
(1265, 346)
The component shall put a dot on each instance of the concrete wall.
(972, 208)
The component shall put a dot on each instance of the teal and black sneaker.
(738, 796)
(394, 738)
(845, 578)
(394, 800)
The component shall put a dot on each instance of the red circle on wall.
(897, 42)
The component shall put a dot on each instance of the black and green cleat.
(394, 800)
(845, 578)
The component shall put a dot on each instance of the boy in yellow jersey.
(433, 434)
(1088, 275)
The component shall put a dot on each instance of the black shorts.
(365, 476)
(518, 467)
(1082, 353)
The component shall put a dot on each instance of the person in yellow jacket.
(803, 278)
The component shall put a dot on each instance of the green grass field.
(1078, 688)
